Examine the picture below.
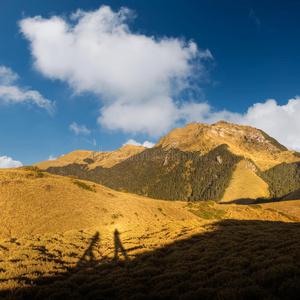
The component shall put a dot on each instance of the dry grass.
(36, 205)
(229, 259)
(289, 207)
(106, 159)
(50, 248)
(245, 184)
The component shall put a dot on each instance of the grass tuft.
(84, 185)
(205, 211)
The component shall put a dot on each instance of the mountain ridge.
(194, 163)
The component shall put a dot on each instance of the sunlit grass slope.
(93, 159)
(64, 238)
(290, 207)
(245, 184)
(33, 202)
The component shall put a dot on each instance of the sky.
(97, 75)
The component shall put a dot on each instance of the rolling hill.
(198, 162)
(61, 237)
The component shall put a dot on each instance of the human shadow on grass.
(231, 259)
(88, 255)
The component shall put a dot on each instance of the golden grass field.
(60, 240)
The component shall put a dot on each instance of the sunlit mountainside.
(62, 237)
(149, 150)
(221, 162)
(65, 237)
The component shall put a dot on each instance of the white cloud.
(52, 157)
(137, 76)
(10, 93)
(155, 117)
(135, 143)
(7, 76)
(279, 121)
(79, 129)
(8, 162)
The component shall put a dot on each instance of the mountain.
(221, 162)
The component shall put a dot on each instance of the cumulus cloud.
(135, 143)
(10, 93)
(8, 162)
(79, 129)
(280, 121)
(138, 77)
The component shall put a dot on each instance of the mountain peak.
(242, 140)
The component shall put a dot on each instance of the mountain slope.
(93, 159)
(293, 196)
(255, 188)
(242, 140)
(165, 174)
(195, 163)
(33, 202)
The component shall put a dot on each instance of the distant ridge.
(93, 159)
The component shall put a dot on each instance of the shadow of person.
(88, 255)
(227, 259)
(119, 247)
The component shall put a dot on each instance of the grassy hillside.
(246, 184)
(61, 237)
(293, 196)
(228, 259)
(193, 163)
(33, 202)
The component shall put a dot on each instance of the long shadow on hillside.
(232, 259)
(247, 201)
(242, 201)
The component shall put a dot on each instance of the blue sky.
(93, 75)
